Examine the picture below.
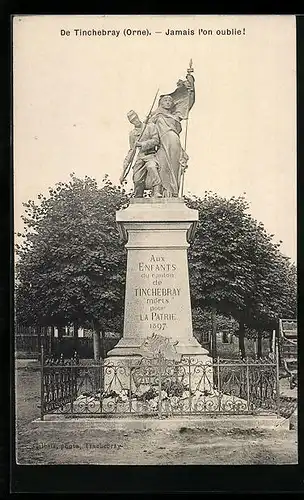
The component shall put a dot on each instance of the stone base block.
(219, 422)
(133, 346)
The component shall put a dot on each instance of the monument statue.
(157, 232)
(161, 160)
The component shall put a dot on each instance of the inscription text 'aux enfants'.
(157, 297)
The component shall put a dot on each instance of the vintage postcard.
(155, 240)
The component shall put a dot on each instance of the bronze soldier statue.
(146, 168)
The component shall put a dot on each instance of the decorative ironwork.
(159, 387)
(58, 383)
(288, 334)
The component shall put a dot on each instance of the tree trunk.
(255, 349)
(38, 329)
(60, 340)
(60, 333)
(96, 344)
(272, 341)
(259, 350)
(51, 340)
(102, 345)
(44, 338)
(98, 355)
(213, 333)
(242, 339)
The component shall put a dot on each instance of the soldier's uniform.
(145, 169)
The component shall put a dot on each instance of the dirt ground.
(54, 442)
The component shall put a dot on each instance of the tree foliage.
(71, 265)
(235, 266)
(202, 322)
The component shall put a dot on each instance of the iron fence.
(158, 387)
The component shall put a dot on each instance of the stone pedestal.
(157, 233)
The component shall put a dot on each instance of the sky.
(72, 94)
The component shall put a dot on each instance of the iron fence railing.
(158, 387)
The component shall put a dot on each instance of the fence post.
(101, 369)
(73, 378)
(61, 378)
(41, 382)
(248, 384)
(218, 382)
(277, 378)
(130, 385)
(190, 391)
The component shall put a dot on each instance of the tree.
(235, 267)
(207, 322)
(71, 264)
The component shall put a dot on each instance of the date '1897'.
(158, 326)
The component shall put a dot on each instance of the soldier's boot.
(139, 191)
(156, 191)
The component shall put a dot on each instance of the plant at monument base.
(71, 264)
(150, 393)
(236, 268)
(173, 387)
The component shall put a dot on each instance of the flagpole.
(189, 70)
